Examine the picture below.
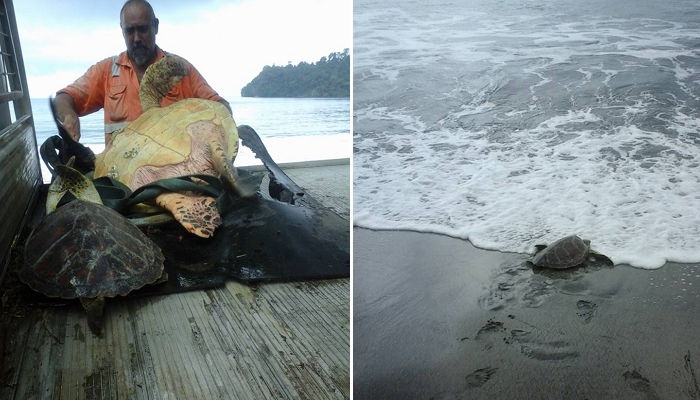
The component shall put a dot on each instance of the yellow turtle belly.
(171, 141)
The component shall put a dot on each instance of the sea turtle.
(191, 136)
(88, 251)
(568, 252)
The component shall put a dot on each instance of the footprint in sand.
(530, 345)
(491, 326)
(639, 383)
(516, 335)
(537, 349)
(480, 376)
(586, 310)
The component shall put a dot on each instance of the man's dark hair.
(142, 2)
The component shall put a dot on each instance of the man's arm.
(201, 89)
(82, 97)
(65, 110)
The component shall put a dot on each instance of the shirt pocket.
(116, 106)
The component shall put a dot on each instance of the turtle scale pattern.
(86, 250)
(566, 252)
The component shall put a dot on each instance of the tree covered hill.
(328, 77)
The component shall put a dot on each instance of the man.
(113, 83)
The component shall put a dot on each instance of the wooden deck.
(274, 341)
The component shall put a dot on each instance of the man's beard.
(141, 55)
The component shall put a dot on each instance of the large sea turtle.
(87, 251)
(568, 252)
(192, 136)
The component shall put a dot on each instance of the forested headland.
(327, 77)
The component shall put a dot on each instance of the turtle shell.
(169, 137)
(566, 252)
(85, 249)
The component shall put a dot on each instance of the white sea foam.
(513, 130)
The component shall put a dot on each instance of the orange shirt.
(112, 84)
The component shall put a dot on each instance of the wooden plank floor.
(274, 341)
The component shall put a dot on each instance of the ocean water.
(513, 123)
(292, 129)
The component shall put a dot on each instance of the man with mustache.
(113, 83)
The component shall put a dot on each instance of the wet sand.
(437, 318)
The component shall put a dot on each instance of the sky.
(228, 41)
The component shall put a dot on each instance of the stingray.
(281, 233)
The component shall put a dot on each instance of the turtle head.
(159, 78)
(68, 179)
(540, 247)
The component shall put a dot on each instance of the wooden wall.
(20, 175)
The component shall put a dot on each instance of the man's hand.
(72, 124)
(65, 112)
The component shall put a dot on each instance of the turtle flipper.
(540, 247)
(70, 180)
(94, 307)
(198, 214)
(224, 166)
(600, 258)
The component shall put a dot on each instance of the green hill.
(328, 77)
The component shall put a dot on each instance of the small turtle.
(191, 136)
(88, 251)
(567, 252)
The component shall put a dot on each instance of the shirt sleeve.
(199, 86)
(88, 91)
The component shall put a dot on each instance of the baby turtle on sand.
(88, 251)
(567, 252)
(191, 136)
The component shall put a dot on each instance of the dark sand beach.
(437, 318)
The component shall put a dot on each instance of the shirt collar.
(124, 60)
